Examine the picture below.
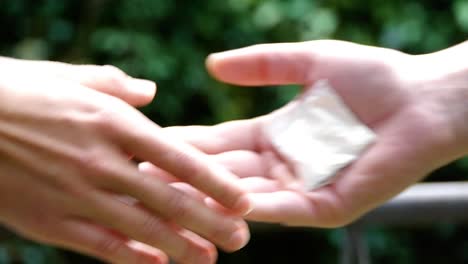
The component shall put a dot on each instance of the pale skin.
(417, 105)
(66, 135)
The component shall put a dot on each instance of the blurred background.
(168, 40)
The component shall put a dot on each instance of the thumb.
(266, 64)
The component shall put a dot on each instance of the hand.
(416, 105)
(66, 178)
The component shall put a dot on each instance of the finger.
(232, 135)
(266, 64)
(250, 184)
(141, 225)
(283, 207)
(320, 208)
(150, 169)
(256, 185)
(107, 79)
(199, 196)
(170, 204)
(106, 245)
(243, 163)
(182, 160)
(189, 190)
(240, 162)
(248, 164)
(260, 185)
(187, 234)
(280, 170)
(201, 241)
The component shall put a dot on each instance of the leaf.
(460, 9)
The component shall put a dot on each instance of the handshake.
(69, 133)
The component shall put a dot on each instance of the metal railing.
(421, 204)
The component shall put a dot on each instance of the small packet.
(318, 135)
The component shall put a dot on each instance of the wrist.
(455, 104)
(449, 84)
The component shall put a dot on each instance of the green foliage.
(17, 250)
(168, 40)
(460, 9)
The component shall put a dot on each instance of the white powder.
(319, 135)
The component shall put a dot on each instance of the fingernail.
(209, 61)
(208, 257)
(224, 54)
(145, 87)
(239, 238)
(144, 166)
(213, 56)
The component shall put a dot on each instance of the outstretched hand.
(66, 134)
(407, 100)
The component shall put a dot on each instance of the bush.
(168, 40)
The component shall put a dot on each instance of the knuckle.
(220, 233)
(90, 167)
(187, 165)
(112, 72)
(91, 161)
(265, 67)
(75, 191)
(114, 77)
(108, 117)
(69, 120)
(152, 228)
(179, 205)
(42, 228)
(105, 118)
(109, 246)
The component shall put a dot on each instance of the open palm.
(382, 87)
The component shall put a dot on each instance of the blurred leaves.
(32, 49)
(463, 164)
(267, 15)
(167, 41)
(4, 257)
(21, 251)
(460, 8)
